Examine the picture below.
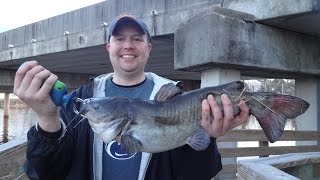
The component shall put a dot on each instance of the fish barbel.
(173, 119)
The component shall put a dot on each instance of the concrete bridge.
(275, 36)
(214, 41)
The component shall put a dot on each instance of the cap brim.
(123, 19)
(127, 19)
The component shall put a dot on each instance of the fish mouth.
(83, 111)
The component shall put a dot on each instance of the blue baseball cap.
(127, 18)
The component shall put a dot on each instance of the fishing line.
(252, 97)
(72, 120)
(239, 97)
(83, 118)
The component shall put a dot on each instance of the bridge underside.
(82, 52)
(95, 60)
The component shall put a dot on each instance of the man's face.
(129, 50)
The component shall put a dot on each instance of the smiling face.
(129, 51)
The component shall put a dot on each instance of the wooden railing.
(12, 157)
(13, 154)
(264, 150)
(292, 166)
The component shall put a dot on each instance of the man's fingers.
(23, 69)
(215, 109)
(227, 107)
(38, 80)
(244, 112)
(29, 77)
(47, 86)
(205, 113)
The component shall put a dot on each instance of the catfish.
(173, 118)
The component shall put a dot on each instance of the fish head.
(93, 110)
(106, 116)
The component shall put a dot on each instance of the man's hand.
(218, 124)
(32, 84)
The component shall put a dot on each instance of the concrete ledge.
(215, 40)
(263, 9)
(62, 43)
(169, 15)
(299, 16)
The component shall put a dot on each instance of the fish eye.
(96, 107)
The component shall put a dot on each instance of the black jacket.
(71, 157)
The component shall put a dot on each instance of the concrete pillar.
(309, 90)
(6, 105)
(217, 76)
(214, 77)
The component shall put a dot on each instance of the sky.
(17, 13)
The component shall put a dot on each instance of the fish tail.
(272, 110)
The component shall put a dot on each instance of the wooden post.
(263, 144)
(6, 105)
(5, 129)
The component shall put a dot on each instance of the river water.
(17, 125)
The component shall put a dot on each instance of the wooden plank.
(263, 144)
(12, 156)
(243, 135)
(264, 151)
(280, 162)
(258, 135)
(249, 170)
(294, 162)
(228, 168)
(289, 160)
(6, 105)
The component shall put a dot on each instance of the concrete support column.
(6, 105)
(309, 90)
(214, 77)
(217, 76)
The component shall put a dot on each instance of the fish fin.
(274, 109)
(272, 123)
(129, 144)
(166, 92)
(200, 140)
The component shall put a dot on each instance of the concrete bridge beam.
(232, 40)
(87, 26)
(220, 38)
(273, 8)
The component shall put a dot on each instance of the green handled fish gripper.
(59, 93)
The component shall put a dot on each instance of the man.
(80, 154)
